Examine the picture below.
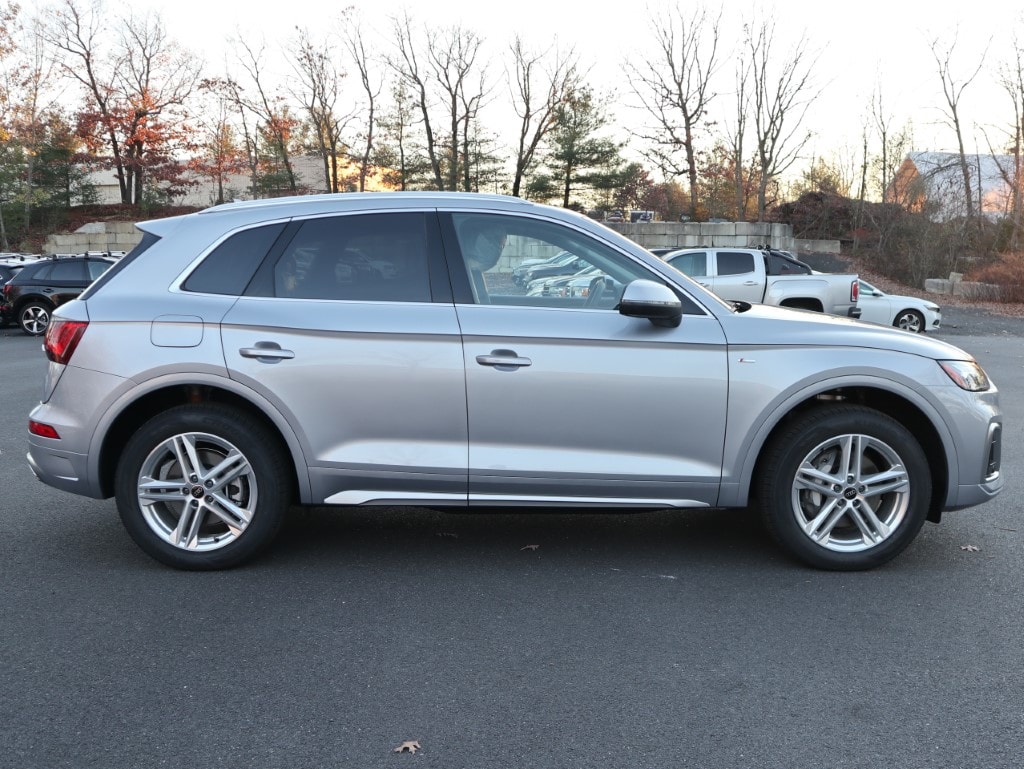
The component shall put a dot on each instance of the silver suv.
(375, 350)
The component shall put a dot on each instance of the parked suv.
(31, 296)
(235, 364)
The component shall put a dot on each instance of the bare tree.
(736, 135)
(542, 81)
(355, 44)
(270, 109)
(319, 86)
(137, 82)
(448, 87)
(953, 90)
(1012, 79)
(782, 91)
(674, 86)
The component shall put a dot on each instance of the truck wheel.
(844, 488)
(202, 487)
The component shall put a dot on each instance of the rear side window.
(231, 265)
(735, 263)
(365, 257)
(72, 270)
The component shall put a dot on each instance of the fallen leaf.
(970, 548)
(409, 746)
(530, 547)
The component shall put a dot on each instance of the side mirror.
(654, 301)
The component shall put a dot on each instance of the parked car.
(520, 270)
(768, 277)
(906, 312)
(31, 296)
(208, 396)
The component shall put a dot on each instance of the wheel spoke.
(184, 447)
(821, 527)
(871, 528)
(230, 468)
(811, 478)
(160, 490)
(234, 517)
(893, 479)
(186, 533)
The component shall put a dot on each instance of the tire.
(217, 515)
(34, 317)
(844, 488)
(910, 320)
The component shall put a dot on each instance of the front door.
(570, 401)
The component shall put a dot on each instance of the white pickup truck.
(767, 277)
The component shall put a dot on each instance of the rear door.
(737, 277)
(349, 330)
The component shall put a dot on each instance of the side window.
(38, 276)
(513, 260)
(231, 265)
(735, 263)
(695, 265)
(98, 268)
(72, 269)
(364, 257)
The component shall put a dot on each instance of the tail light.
(62, 337)
(854, 291)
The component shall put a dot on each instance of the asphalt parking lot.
(679, 639)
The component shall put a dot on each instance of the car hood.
(769, 325)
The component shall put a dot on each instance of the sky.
(859, 46)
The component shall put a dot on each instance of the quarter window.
(231, 265)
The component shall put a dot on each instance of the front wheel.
(844, 488)
(910, 320)
(33, 318)
(202, 487)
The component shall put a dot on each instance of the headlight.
(967, 374)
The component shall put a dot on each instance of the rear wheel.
(910, 320)
(34, 317)
(844, 488)
(202, 487)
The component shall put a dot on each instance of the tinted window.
(231, 265)
(368, 257)
(98, 268)
(780, 265)
(73, 270)
(734, 263)
(40, 273)
(695, 265)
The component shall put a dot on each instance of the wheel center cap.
(198, 491)
(850, 493)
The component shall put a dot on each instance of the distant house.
(309, 174)
(934, 181)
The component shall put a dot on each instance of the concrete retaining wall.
(693, 234)
(95, 236)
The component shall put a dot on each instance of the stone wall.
(693, 234)
(95, 236)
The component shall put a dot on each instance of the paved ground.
(658, 640)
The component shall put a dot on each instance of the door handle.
(503, 360)
(266, 352)
(750, 283)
